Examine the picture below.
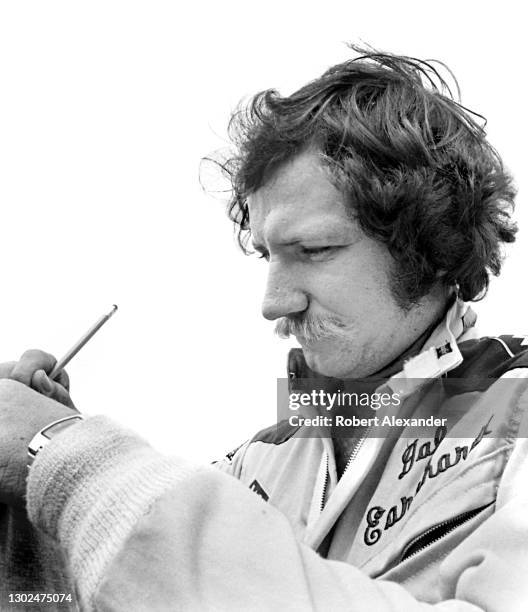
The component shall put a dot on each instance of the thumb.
(41, 383)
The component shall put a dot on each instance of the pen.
(61, 363)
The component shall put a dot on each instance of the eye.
(264, 255)
(317, 252)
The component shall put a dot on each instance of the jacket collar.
(440, 353)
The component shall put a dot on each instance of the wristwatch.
(45, 435)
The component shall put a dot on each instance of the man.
(380, 207)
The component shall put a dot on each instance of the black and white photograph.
(263, 333)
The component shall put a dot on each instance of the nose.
(283, 294)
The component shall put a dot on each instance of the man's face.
(322, 266)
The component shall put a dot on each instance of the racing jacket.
(437, 520)
(440, 493)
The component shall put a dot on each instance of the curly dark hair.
(413, 164)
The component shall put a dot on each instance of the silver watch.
(46, 434)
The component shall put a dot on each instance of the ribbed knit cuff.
(90, 486)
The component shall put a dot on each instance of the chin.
(328, 363)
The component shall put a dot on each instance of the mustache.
(311, 327)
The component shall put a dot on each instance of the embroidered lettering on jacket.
(412, 454)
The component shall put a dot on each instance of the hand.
(32, 370)
(23, 413)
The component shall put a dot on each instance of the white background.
(105, 111)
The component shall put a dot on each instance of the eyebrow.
(331, 233)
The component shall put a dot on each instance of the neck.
(408, 336)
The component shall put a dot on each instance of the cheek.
(354, 291)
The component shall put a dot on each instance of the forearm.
(89, 489)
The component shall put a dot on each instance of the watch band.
(45, 435)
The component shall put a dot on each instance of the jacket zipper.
(437, 532)
(351, 458)
(325, 487)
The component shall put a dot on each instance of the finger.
(29, 363)
(41, 382)
(63, 379)
(50, 388)
(61, 395)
